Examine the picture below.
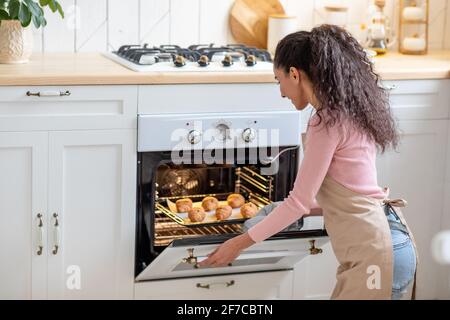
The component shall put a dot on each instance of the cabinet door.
(23, 195)
(445, 269)
(315, 276)
(416, 173)
(92, 183)
(246, 286)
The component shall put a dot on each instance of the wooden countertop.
(395, 66)
(95, 69)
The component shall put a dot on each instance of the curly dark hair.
(343, 80)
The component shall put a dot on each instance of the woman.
(329, 70)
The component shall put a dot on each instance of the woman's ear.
(294, 74)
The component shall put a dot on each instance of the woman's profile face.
(292, 86)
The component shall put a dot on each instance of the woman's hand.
(227, 252)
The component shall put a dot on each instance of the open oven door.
(179, 261)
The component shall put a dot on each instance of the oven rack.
(167, 231)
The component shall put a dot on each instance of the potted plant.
(16, 37)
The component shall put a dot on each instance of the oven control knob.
(194, 136)
(249, 134)
(227, 61)
(223, 132)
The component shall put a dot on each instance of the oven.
(254, 154)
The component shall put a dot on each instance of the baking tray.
(169, 209)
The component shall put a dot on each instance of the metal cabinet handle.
(313, 250)
(49, 93)
(390, 87)
(40, 245)
(56, 235)
(209, 285)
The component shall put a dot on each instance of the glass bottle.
(377, 29)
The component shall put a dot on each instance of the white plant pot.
(16, 42)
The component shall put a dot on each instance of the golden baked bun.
(223, 212)
(249, 210)
(184, 205)
(197, 214)
(235, 200)
(210, 203)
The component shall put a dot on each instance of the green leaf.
(33, 7)
(24, 15)
(13, 7)
(4, 15)
(43, 21)
(60, 10)
(36, 21)
(52, 5)
(43, 3)
(3, 4)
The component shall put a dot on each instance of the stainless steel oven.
(255, 154)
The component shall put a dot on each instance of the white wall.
(99, 25)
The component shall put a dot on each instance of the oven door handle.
(215, 284)
(263, 254)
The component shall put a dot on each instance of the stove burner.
(202, 54)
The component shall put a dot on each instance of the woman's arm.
(319, 150)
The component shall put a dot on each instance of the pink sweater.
(341, 152)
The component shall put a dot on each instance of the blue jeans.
(404, 257)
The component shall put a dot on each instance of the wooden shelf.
(414, 22)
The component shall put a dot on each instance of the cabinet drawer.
(78, 107)
(263, 285)
(419, 99)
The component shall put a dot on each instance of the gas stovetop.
(195, 58)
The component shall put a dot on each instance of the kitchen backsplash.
(100, 25)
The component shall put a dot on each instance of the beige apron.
(361, 240)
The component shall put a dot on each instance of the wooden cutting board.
(249, 19)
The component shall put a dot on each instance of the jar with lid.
(413, 27)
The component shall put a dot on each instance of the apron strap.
(396, 202)
(413, 294)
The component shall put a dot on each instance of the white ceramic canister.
(337, 15)
(278, 27)
(414, 44)
(413, 14)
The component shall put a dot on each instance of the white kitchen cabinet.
(256, 286)
(419, 99)
(444, 289)
(69, 151)
(88, 179)
(91, 219)
(315, 276)
(417, 173)
(48, 108)
(23, 196)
